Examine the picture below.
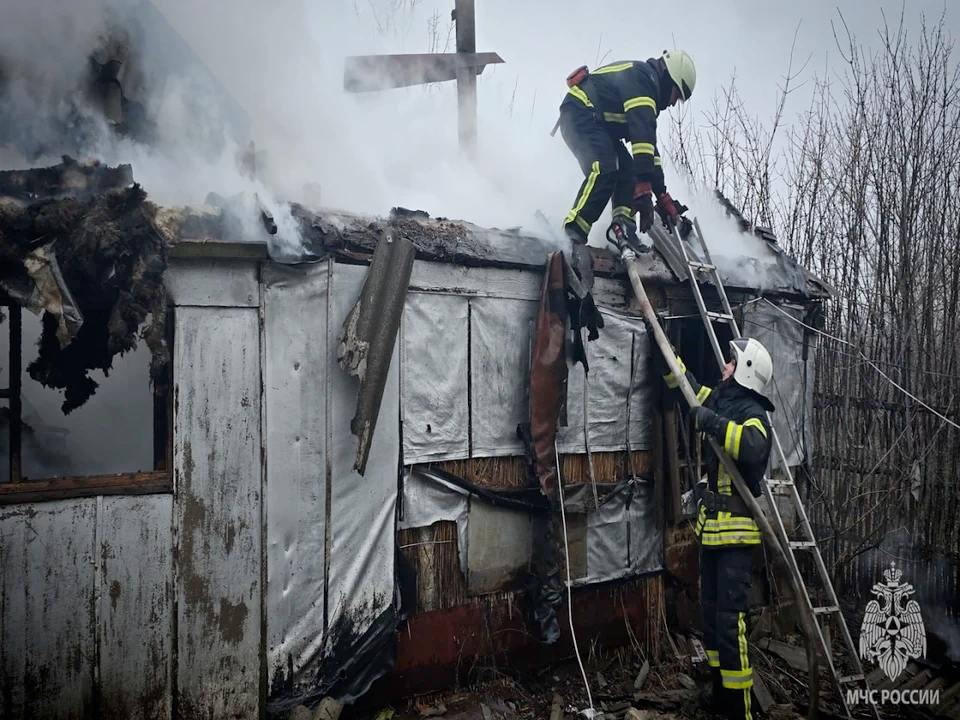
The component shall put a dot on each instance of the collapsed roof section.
(81, 243)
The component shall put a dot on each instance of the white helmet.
(754, 368)
(681, 70)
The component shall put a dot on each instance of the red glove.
(666, 207)
(643, 204)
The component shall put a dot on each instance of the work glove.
(707, 421)
(669, 378)
(669, 209)
(623, 231)
(643, 205)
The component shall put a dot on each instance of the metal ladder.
(702, 266)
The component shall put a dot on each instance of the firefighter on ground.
(602, 109)
(735, 415)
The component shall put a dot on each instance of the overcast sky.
(284, 62)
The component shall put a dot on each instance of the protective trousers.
(724, 596)
(604, 160)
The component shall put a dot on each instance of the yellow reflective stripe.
(619, 67)
(713, 658)
(728, 437)
(580, 95)
(747, 715)
(585, 195)
(615, 117)
(757, 423)
(636, 102)
(737, 437)
(656, 161)
(724, 481)
(641, 148)
(703, 393)
(584, 225)
(731, 538)
(624, 210)
(742, 639)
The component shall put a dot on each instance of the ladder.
(700, 266)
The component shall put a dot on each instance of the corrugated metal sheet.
(85, 608)
(217, 475)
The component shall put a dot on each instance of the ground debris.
(111, 257)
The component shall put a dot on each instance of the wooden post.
(465, 15)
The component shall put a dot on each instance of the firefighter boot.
(737, 704)
(580, 257)
(623, 232)
(711, 694)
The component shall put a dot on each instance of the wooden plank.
(217, 282)
(47, 643)
(134, 549)
(142, 483)
(217, 475)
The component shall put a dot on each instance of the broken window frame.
(19, 490)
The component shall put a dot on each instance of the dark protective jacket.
(744, 433)
(629, 96)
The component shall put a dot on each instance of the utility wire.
(869, 362)
(566, 555)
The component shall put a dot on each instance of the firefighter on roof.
(615, 103)
(735, 414)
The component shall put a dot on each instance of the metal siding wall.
(47, 609)
(433, 367)
(217, 466)
(295, 320)
(135, 612)
(501, 334)
(362, 531)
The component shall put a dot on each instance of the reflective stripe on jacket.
(627, 97)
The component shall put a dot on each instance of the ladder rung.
(825, 609)
(800, 544)
(779, 483)
(719, 316)
(844, 679)
(697, 265)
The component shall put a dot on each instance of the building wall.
(202, 603)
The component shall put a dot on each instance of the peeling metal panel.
(47, 609)
(362, 532)
(501, 336)
(217, 475)
(609, 382)
(295, 325)
(433, 378)
(134, 614)
(216, 282)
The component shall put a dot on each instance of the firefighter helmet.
(681, 70)
(754, 368)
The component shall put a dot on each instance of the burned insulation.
(100, 280)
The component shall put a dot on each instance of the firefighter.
(735, 414)
(615, 103)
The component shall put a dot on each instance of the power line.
(869, 362)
